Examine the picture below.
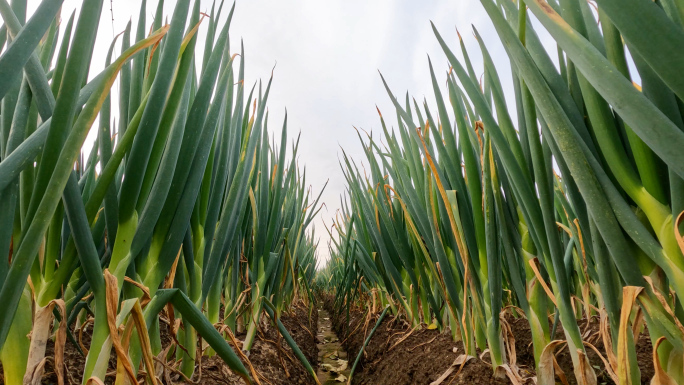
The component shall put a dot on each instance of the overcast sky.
(328, 54)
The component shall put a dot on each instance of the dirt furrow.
(333, 363)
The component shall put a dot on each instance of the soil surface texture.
(401, 355)
(397, 354)
(277, 366)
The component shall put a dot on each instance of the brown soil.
(426, 354)
(74, 361)
(590, 333)
(419, 359)
(264, 356)
(420, 362)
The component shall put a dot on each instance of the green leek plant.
(158, 213)
(566, 208)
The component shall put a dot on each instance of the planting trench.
(333, 362)
(396, 354)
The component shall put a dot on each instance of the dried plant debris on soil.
(397, 355)
(590, 333)
(271, 367)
